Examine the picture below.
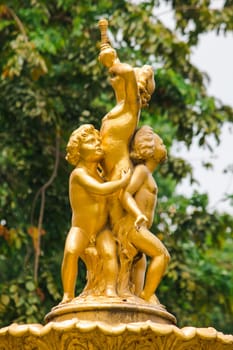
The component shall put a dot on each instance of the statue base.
(110, 310)
(86, 335)
(97, 323)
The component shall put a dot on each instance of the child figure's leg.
(76, 242)
(106, 247)
(138, 274)
(149, 244)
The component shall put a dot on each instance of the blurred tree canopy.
(51, 82)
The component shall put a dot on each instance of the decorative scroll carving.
(30, 343)
(4, 345)
(76, 335)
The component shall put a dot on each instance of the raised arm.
(108, 57)
(126, 72)
(81, 177)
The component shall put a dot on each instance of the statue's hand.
(140, 221)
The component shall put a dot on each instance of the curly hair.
(145, 82)
(142, 145)
(75, 141)
(147, 144)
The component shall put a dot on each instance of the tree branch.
(19, 23)
(42, 192)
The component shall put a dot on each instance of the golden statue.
(133, 88)
(113, 197)
(110, 220)
(139, 199)
(88, 194)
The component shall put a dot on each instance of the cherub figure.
(139, 199)
(133, 88)
(88, 193)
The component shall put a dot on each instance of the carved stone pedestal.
(86, 335)
(111, 311)
(109, 324)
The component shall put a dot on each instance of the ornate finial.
(103, 26)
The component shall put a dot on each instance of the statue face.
(107, 57)
(90, 148)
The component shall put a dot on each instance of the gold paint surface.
(86, 335)
(113, 194)
(113, 197)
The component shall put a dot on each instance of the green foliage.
(200, 244)
(202, 17)
(51, 82)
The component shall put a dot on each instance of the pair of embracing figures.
(113, 194)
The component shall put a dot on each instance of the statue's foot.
(66, 299)
(125, 293)
(153, 300)
(84, 294)
(110, 292)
